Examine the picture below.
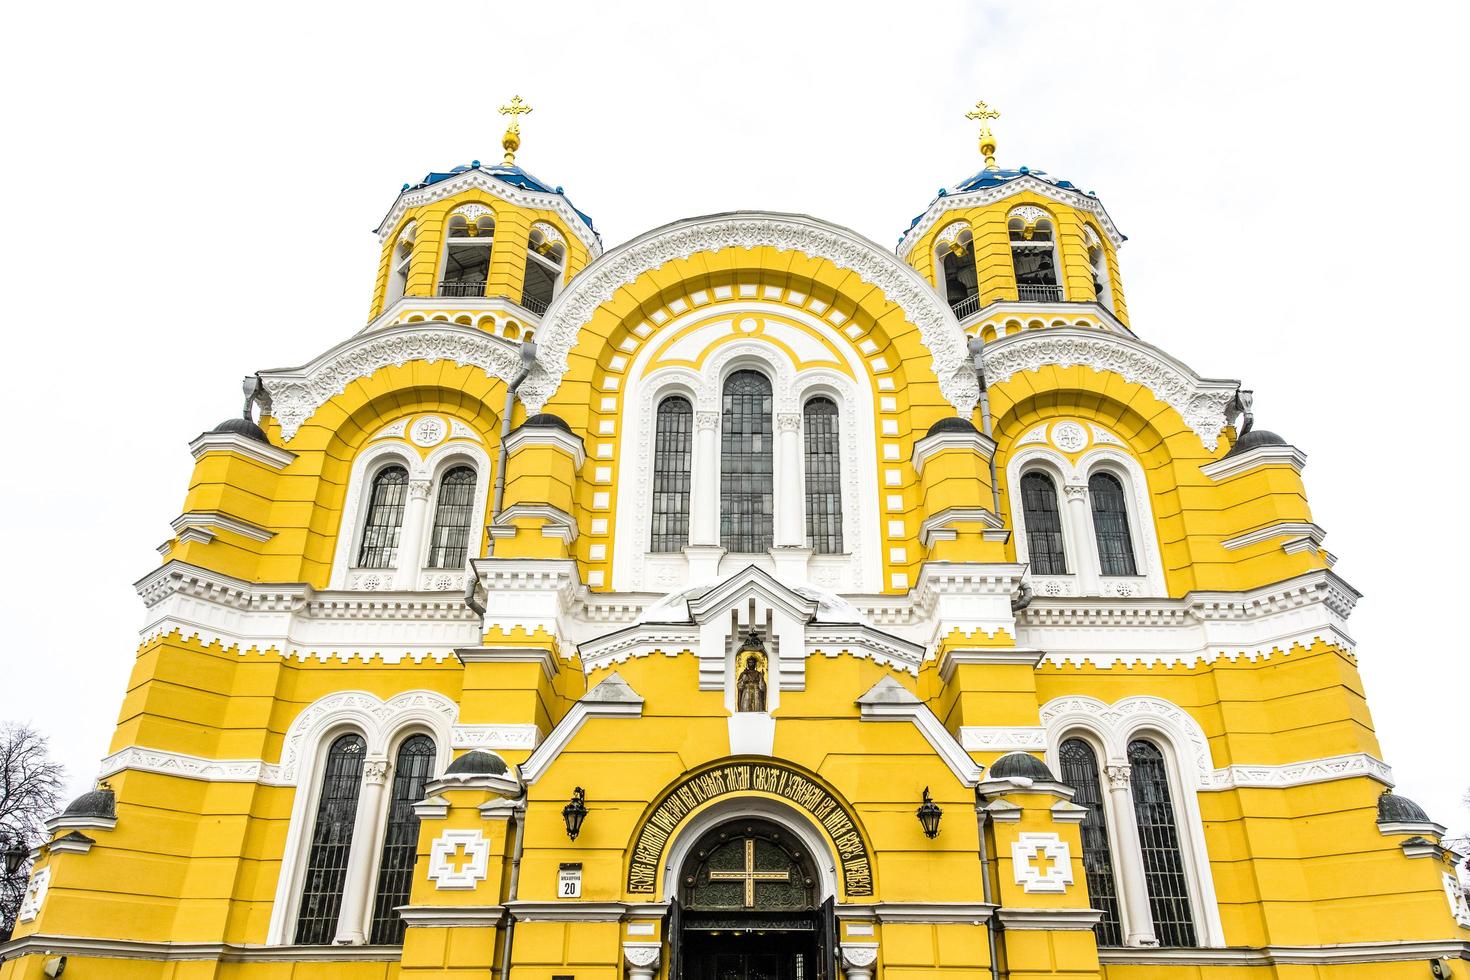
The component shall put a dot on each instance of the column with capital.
(642, 960)
(357, 888)
(704, 551)
(1084, 552)
(1129, 863)
(789, 518)
(411, 535)
(858, 961)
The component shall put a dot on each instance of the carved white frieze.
(1042, 863)
(1459, 904)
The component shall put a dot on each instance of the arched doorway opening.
(749, 907)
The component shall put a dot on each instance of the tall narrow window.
(469, 237)
(414, 768)
(673, 461)
(1158, 839)
(746, 464)
(1079, 770)
(823, 477)
(1033, 253)
(331, 841)
(544, 261)
(1098, 260)
(384, 519)
(449, 541)
(957, 268)
(399, 265)
(1110, 523)
(1043, 525)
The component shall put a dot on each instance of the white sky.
(193, 187)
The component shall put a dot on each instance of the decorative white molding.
(990, 195)
(939, 331)
(1048, 920)
(1459, 903)
(548, 435)
(1303, 773)
(495, 737)
(1002, 738)
(1041, 863)
(938, 442)
(1205, 405)
(557, 522)
(204, 526)
(1237, 463)
(458, 859)
(941, 526)
(241, 445)
(141, 759)
(889, 700)
(480, 178)
(35, 896)
(612, 698)
(127, 949)
(453, 916)
(1384, 952)
(1296, 531)
(296, 393)
(75, 842)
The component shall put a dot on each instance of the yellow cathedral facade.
(747, 601)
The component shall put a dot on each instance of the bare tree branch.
(30, 791)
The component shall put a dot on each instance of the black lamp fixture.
(14, 856)
(929, 814)
(575, 812)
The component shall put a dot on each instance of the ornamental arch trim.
(902, 286)
(714, 793)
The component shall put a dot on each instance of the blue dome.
(510, 174)
(994, 178)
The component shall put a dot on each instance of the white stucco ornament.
(35, 896)
(1043, 863)
(458, 859)
(1459, 904)
(428, 431)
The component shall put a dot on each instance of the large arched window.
(413, 769)
(1079, 770)
(746, 464)
(1043, 525)
(673, 462)
(450, 538)
(384, 522)
(469, 237)
(823, 477)
(331, 842)
(1110, 525)
(1034, 255)
(1158, 839)
(544, 262)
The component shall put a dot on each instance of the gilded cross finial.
(982, 113)
(512, 138)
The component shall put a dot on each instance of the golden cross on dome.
(982, 113)
(512, 139)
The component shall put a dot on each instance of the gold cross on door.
(750, 876)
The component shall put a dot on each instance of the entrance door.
(747, 907)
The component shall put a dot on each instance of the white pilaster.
(352, 917)
(411, 537)
(1079, 531)
(1127, 861)
(788, 503)
(704, 488)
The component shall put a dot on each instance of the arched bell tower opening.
(750, 907)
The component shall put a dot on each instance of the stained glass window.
(823, 477)
(453, 517)
(1043, 525)
(1080, 771)
(673, 462)
(331, 842)
(1158, 839)
(384, 519)
(746, 464)
(1110, 523)
(414, 768)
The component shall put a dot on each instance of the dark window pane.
(672, 464)
(960, 279)
(1110, 522)
(1158, 839)
(746, 464)
(539, 285)
(465, 264)
(1035, 265)
(453, 516)
(331, 842)
(414, 768)
(1043, 525)
(1079, 770)
(384, 519)
(823, 477)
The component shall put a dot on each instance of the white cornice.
(490, 655)
(955, 656)
(1296, 530)
(129, 949)
(1011, 188)
(296, 393)
(241, 445)
(1389, 828)
(971, 913)
(940, 526)
(1236, 464)
(558, 523)
(890, 701)
(937, 442)
(451, 306)
(453, 916)
(1049, 920)
(612, 698)
(204, 526)
(901, 285)
(1206, 405)
(548, 435)
(478, 179)
(1384, 952)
